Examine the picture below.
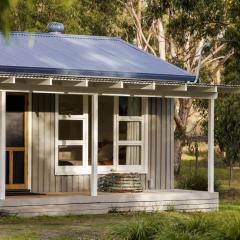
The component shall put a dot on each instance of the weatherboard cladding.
(62, 54)
(160, 145)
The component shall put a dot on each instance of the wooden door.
(16, 142)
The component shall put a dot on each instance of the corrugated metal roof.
(62, 54)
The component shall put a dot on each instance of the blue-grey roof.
(49, 53)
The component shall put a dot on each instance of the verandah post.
(94, 177)
(2, 144)
(211, 145)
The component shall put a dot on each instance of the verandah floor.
(82, 203)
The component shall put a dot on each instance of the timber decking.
(76, 203)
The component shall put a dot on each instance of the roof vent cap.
(55, 27)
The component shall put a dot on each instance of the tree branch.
(138, 25)
(227, 56)
(218, 49)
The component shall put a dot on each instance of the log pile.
(116, 182)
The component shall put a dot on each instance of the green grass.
(162, 225)
(180, 226)
(171, 225)
(221, 171)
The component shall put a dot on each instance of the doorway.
(16, 142)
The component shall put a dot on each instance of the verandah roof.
(62, 54)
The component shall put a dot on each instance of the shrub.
(169, 227)
(196, 227)
(140, 228)
(196, 182)
(230, 226)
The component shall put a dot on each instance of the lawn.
(59, 228)
(107, 226)
(168, 225)
(221, 170)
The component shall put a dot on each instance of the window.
(122, 134)
(72, 140)
(105, 130)
(131, 135)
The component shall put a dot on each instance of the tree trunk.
(181, 119)
(139, 27)
(230, 174)
(161, 39)
(177, 155)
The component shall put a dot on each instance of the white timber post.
(2, 144)
(94, 177)
(211, 145)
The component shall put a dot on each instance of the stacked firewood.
(116, 182)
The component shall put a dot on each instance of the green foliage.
(141, 228)
(228, 126)
(196, 181)
(196, 227)
(78, 16)
(175, 226)
(5, 14)
(231, 225)
(188, 22)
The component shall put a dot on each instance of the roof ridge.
(61, 35)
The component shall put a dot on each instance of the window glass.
(130, 106)
(129, 155)
(18, 167)
(15, 107)
(70, 130)
(129, 131)
(7, 167)
(70, 155)
(105, 130)
(70, 104)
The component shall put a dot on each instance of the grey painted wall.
(160, 172)
(161, 144)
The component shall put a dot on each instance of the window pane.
(18, 167)
(130, 106)
(70, 130)
(70, 104)
(15, 107)
(130, 131)
(129, 155)
(70, 155)
(105, 131)
(7, 167)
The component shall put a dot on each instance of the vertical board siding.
(43, 150)
(160, 136)
(161, 139)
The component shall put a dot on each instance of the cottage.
(73, 108)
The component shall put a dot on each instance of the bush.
(195, 227)
(196, 182)
(140, 228)
(176, 226)
(230, 226)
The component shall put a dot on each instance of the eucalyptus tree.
(78, 16)
(228, 106)
(5, 14)
(176, 30)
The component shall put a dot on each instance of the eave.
(39, 83)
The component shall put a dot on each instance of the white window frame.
(85, 168)
(141, 143)
(72, 170)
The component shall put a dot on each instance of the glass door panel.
(16, 142)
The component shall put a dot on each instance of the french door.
(16, 141)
